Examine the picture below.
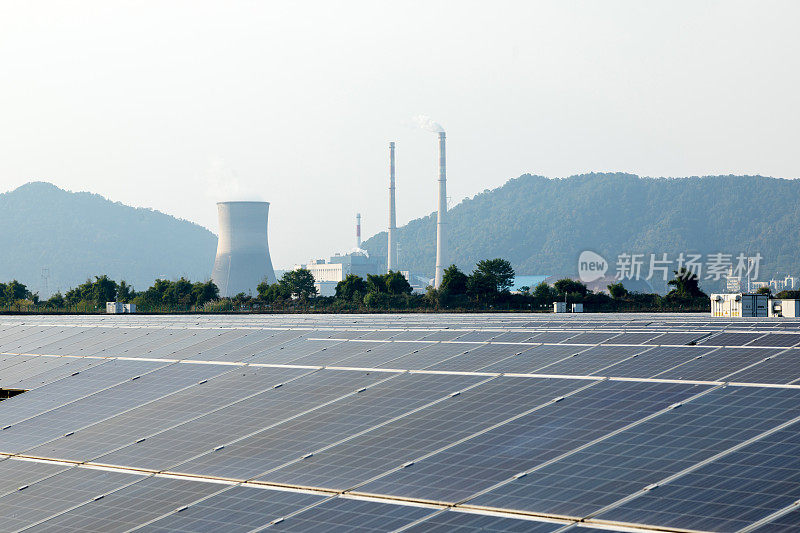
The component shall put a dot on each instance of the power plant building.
(328, 273)
(243, 259)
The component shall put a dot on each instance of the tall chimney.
(358, 230)
(391, 257)
(440, 246)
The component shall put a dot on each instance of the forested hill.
(541, 225)
(76, 235)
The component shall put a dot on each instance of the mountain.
(542, 225)
(77, 235)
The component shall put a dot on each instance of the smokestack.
(243, 259)
(358, 230)
(392, 254)
(440, 222)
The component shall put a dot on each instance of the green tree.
(56, 301)
(83, 293)
(203, 293)
(481, 286)
(569, 286)
(350, 287)
(178, 293)
(454, 282)
(14, 290)
(686, 283)
(273, 292)
(764, 290)
(788, 295)
(617, 291)
(396, 283)
(499, 271)
(104, 289)
(299, 282)
(376, 283)
(545, 292)
(125, 292)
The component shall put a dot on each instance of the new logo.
(591, 266)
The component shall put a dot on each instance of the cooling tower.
(440, 245)
(391, 258)
(243, 259)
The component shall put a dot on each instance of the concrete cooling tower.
(243, 259)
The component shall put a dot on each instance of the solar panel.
(333, 354)
(718, 364)
(381, 354)
(344, 514)
(656, 360)
(630, 338)
(58, 493)
(676, 339)
(450, 521)
(730, 339)
(588, 338)
(68, 367)
(307, 433)
(538, 357)
(440, 420)
(71, 388)
(237, 420)
(726, 494)
(143, 421)
(476, 464)
(234, 510)
(597, 476)
(70, 417)
(553, 336)
(593, 360)
(428, 355)
(777, 340)
(16, 473)
(291, 351)
(131, 505)
(514, 336)
(786, 523)
(781, 368)
(378, 451)
(480, 357)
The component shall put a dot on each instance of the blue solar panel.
(237, 509)
(359, 459)
(463, 470)
(727, 494)
(460, 522)
(599, 475)
(342, 514)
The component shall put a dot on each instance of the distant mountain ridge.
(542, 225)
(80, 234)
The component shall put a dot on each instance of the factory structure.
(328, 273)
(243, 260)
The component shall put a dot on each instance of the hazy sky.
(173, 105)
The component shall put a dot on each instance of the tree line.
(487, 287)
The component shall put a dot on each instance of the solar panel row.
(383, 423)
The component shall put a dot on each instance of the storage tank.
(243, 259)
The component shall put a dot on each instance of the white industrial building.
(328, 273)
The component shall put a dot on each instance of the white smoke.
(222, 184)
(426, 123)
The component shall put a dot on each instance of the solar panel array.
(496, 422)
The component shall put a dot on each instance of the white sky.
(175, 105)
